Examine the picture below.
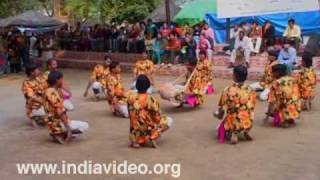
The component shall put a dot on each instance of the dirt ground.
(277, 154)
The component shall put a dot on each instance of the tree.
(111, 10)
(14, 7)
(83, 10)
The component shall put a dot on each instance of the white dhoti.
(265, 91)
(38, 112)
(122, 110)
(67, 103)
(78, 125)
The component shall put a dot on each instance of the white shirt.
(244, 43)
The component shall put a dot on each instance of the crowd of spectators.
(164, 43)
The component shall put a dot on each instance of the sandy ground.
(277, 154)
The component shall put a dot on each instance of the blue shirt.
(288, 57)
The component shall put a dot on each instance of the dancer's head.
(273, 55)
(32, 70)
(55, 79)
(142, 84)
(107, 60)
(307, 60)
(115, 67)
(52, 65)
(240, 74)
(279, 70)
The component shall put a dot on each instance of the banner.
(243, 8)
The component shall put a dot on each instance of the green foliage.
(14, 7)
(111, 10)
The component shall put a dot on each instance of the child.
(146, 121)
(205, 67)
(284, 98)
(238, 102)
(116, 95)
(33, 92)
(267, 79)
(307, 80)
(61, 128)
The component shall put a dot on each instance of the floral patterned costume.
(146, 121)
(100, 74)
(32, 88)
(307, 80)
(53, 103)
(144, 67)
(239, 102)
(116, 93)
(285, 95)
(196, 87)
(205, 68)
(267, 78)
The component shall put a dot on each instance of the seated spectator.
(268, 35)
(242, 44)
(256, 37)
(288, 56)
(293, 33)
(173, 47)
(204, 45)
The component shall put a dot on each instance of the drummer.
(144, 66)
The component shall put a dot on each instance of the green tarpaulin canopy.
(194, 12)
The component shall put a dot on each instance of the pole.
(167, 5)
(228, 30)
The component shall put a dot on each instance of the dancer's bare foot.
(247, 136)
(234, 138)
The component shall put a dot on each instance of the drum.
(167, 91)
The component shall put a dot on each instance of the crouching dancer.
(238, 101)
(33, 93)
(61, 128)
(146, 121)
(284, 98)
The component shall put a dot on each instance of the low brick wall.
(87, 60)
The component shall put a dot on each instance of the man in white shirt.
(293, 33)
(243, 45)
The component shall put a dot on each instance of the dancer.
(205, 67)
(307, 80)
(190, 93)
(116, 95)
(284, 98)
(52, 65)
(33, 92)
(146, 121)
(267, 79)
(61, 128)
(238, 102)
(144, 67)
(98, 78)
